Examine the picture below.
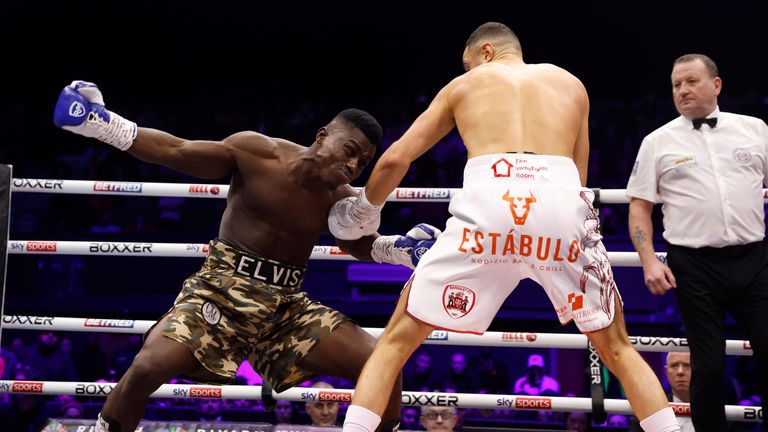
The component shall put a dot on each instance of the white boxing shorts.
(517, 216)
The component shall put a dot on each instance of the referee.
(707, 168)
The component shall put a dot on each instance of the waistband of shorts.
(521, 168)
(725, 251)
(258, 268)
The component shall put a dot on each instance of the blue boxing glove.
(80, 109)
(405, 250)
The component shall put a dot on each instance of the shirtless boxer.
(523, 213)
(246, 302)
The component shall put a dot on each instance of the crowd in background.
(616, 130)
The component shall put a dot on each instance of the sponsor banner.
(518, 337)
(198, 189)
(109, 323)
(126, 187)
(94, 389)
(430, 399)
(28, 320)
(441, 335)
(26, 387)
(423, 194)
(655, 341)
(38, 184)
(205, 392)
(334, 396)
(120, 248)
(533, 403)
(681, 409)
(753, 413)
(41, 246)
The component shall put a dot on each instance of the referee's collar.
(686, 122)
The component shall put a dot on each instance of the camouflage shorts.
(224, 316)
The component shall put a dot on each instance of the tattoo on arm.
(638, 237)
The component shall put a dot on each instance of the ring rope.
(28, 247)
(303, 394)
(437, 337)
(192, 190)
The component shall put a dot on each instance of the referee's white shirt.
(709, 181)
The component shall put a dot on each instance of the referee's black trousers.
(711, 281)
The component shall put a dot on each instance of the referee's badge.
(741, 155)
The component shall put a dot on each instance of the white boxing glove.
(80, 109)
(405, 250)
(353, 217)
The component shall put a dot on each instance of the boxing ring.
(512, 339)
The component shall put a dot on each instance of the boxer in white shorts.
(518, 216)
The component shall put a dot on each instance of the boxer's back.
(500, 107)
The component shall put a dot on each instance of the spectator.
(210, 410)
(439, 419)
(284, 412)
(577, 421)
(492, 373)
(420, 377)
(536, 382)
(458, 376)
(47, 358)
(322, 413)
(8, 364)
(72, 410)
(409, 418)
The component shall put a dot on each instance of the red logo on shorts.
(502, 168)
(458, 300)
(519, 206)
(576, 301)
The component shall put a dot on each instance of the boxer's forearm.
(386, 176)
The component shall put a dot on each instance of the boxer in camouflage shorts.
(245, 302)
(224, 317)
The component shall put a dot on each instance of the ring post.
(5, 216)
(597, 391)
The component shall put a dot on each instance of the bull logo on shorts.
(519, 206)
(458, 300)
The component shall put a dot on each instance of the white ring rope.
(437, 337)
(192, 190)
(189, 190)
(618, 259)
(303, 394)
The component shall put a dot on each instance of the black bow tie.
(712, 122)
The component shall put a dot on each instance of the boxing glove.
(80, 109)
(353, 217)
(405, 250)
